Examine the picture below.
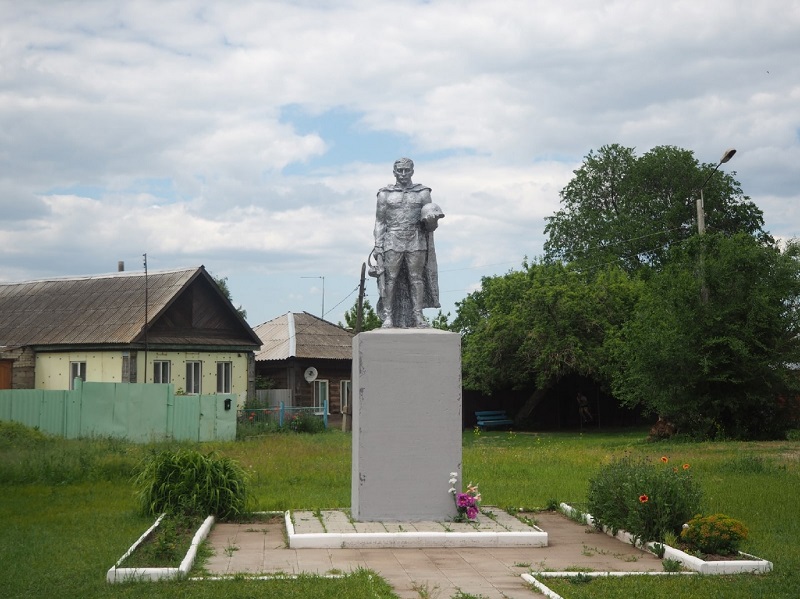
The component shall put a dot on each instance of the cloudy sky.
(251, 137)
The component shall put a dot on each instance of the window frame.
(345, 395)
(160, 365)
(227, 377)
(318, 402)
(81, 374)
(196, 387)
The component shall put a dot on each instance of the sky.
(252, 137)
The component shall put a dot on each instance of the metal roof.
(102, 309)
(303, 335)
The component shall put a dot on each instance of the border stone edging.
(118, 574)
(416, 539)
(696, 564)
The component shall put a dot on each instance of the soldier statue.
(404, 254)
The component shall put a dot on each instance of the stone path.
(494, 573)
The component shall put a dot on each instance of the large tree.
(530, 328)
(628, 210)
(714, 343)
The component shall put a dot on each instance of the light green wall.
(52, 369)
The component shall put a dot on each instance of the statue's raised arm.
(404, 254)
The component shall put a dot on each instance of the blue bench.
(493, 418)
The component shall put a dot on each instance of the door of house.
(5, 374)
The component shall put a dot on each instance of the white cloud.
(132, 127)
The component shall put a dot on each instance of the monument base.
(406, 424)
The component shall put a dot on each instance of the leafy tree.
(369, 319)
(628, 210)
(441, 321)
(532, 327)
(222, 283)
(716, 363)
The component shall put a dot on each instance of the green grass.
(68, 509)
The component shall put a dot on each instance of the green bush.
(304, 422)
(718, 534)
(189, 482)
(645, 499)
(15, 434)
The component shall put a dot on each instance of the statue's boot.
(417, 295)
(388, 304)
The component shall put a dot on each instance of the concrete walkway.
(494, 573)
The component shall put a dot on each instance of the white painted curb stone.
(412, 539)
(696, 564)
(118, 574)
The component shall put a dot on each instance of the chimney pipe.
(120, 266)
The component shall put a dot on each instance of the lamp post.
(701, 215)
(701, 223)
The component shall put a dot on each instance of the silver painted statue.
(404, 254)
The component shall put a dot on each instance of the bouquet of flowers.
(467, 503)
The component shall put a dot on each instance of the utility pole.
(146, 317)
(701, 222)
(360, 305)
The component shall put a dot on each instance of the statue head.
(403, 170)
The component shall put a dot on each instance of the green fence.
(137, 412)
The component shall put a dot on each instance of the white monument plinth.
(406, 424)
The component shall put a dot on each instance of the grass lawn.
(67, 509)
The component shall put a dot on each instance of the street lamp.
(701, 215)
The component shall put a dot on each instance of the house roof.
(183, 307)
(303, 335)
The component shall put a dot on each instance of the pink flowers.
(467, 502)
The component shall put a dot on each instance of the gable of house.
(182, 307)
(295, 341)
(94, 327)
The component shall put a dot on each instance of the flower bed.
(119, 574)
(745, 564)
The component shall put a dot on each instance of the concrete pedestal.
(406, 424)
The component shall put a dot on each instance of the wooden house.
(308, 356)
(164, 327)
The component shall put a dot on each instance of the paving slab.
(493, 572)
(333, 529)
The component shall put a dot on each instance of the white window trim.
(157, 363)
(344, 398)
(318, 403)
(199, 364)
(228, 375)
(81, 367)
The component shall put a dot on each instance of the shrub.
(304, 422)
(717, 534)
(647, 500)
(188, 482)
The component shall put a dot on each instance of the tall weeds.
(190, 482)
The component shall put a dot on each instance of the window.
(320, 396)
(161, 371)
(77, 370)
(194, 372)
(345, 396)
(224, 370)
